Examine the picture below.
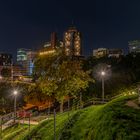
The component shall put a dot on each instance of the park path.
(11, 122)
(27, 122)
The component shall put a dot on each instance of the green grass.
(44, 130)
(16, 132)
(113, 121)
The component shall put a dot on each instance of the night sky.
(103, 23)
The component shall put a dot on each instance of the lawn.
(112, 121)
(16, 133)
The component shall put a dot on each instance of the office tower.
(72, 42)
(31, 55)
(25, 58)
(53, 40)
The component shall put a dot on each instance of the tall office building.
(134, 46)
(22, 60)
(72, 42)
(22, 55)
(25, 59)
(5, 62)
(30, 61)
(53, 40)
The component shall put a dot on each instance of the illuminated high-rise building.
(25, 59)
(31, 55)
(22, 55)
(72, 42)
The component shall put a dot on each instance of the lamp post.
(54, 114)
(1, 128)
(102, 76)
(15, 102)
(139, 94)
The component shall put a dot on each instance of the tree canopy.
(59, 76)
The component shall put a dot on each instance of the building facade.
(134, 46)
(22, 55)
(25, 59)
(52, 46)
(72, 42)
(116, 53)
(31, 55)
(5, 59)
(53, 40)
(5, 63)
(104, 52)
(100, 52)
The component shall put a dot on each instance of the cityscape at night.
(69, 70)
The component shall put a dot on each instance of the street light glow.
(15, 92)
(102, 73)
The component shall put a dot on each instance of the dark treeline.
(120, 73)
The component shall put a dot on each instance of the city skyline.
(102, 24)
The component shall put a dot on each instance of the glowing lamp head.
(15, 92)
(102, 73)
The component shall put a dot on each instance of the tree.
(60, 76)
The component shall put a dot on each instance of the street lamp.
(102, 76)
(15, 102)
(139, 94)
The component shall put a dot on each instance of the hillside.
(117, 120)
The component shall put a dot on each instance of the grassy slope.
(113, 121)
(15, 133)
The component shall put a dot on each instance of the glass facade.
(22, 54)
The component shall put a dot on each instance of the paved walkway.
(7, 124)
(11, 122)
(27, 122)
